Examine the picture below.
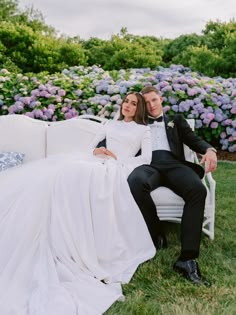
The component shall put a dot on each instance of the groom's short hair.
(148, 89)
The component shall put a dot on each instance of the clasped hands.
(210, 159)
(104, 152)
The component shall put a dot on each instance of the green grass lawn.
(156, 289)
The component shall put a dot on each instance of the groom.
(169, 168)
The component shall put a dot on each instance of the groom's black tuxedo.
(170, 169)
(179, 133)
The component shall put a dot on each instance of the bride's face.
(129, 107)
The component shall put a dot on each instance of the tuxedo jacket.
(179, 133)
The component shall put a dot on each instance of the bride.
(71, 232)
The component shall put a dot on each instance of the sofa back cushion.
(70, 136)
(23, 134)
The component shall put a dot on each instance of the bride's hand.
(104, 151)
(99, 151)
(109, 153)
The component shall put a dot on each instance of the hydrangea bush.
(91, 90)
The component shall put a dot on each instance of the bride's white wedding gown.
(70, 231)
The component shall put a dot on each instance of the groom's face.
(153, 103)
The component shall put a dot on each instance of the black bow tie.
(158, 119)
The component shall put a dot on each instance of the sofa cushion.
(165, 196)
(10, 159)
(70, 136)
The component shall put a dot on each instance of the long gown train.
(54, 254)
(70, 234)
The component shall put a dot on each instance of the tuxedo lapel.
(176, 146)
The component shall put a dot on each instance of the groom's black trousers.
(167, 171)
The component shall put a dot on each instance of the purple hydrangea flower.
(172, 100)
(223, 135)
(192, 91)
(214, 125)
(198, 123)
(232, 148)
(175, 108)
(184, 107)
(61, 92)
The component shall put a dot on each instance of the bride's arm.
(146, 151)
(101, 135)
(98, 145)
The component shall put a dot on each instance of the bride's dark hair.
(140, 116)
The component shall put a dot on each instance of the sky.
(103, 18)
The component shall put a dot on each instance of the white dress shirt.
(159, 137)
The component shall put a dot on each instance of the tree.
(133, 52)
(174, 50)
(124, 50)
(228, 54)
(32, 51)
(203, 60)
(9, 9)
(97, 51)
(216, 34)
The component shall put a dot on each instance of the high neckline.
(128, 122)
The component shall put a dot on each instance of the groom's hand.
(210, 159)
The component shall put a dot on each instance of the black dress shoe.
(161, 242)
(190, 270)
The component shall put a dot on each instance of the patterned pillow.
(10, 159)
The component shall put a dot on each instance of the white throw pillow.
(10, 159)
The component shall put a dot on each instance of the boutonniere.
(171, 124)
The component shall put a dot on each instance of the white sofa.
(38, 139)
